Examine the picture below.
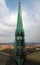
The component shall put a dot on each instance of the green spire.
(19, 39)
(19, 20)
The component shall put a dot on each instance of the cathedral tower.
(19, 39)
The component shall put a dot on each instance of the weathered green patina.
(19, 20)
(19, 39)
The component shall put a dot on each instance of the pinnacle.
(19, 20)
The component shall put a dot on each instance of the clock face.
(18, 38)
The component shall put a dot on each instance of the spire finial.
(19, 2)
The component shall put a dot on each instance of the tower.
(19, 39)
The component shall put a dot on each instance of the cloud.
(30, 18)
(32, 34)
(8, 21)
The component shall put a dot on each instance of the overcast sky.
(30, 18)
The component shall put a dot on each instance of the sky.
(30, 19)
